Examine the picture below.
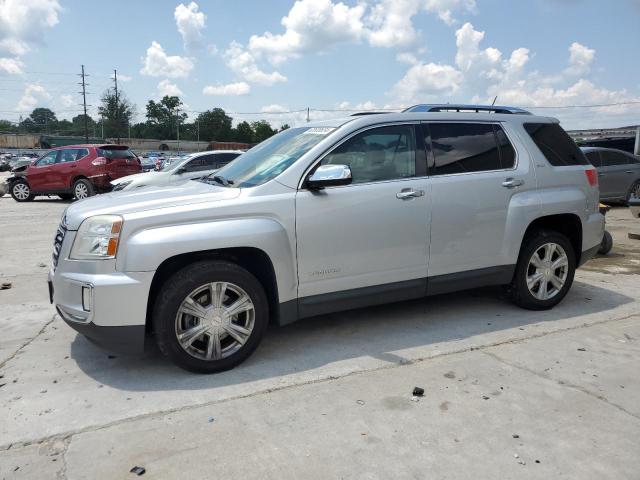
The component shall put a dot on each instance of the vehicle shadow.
(392, 333)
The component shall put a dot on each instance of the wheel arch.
(252, 259)
(75, 178)
(568, 224)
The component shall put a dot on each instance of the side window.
(48, 159)
(467, 147)
(507, 153)
(68, 155)
(223, 158)
(594, 158)
(611, 159)
(82, 152)
(204, 162)
(384, 153)
(555, 144)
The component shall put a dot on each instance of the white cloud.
(469, 54)
(67, 101)
(158, 64)
(12, 66)
(423, 81)
(311, 25)
(274, 108)
(34, 95)
(230, 89)
(446, 8)
(124, 78)
(165, 87)
(190, 23)
(580, 59)
(22, 25)
(243, 64)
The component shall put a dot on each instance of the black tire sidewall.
(521, 293)
(630, 192)
(90, 190)
(606, 244)
(21, 182)
(182, 283)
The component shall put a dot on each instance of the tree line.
(165, 120)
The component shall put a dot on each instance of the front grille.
(57, 243)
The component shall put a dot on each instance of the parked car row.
(80, 171)
(618, 173)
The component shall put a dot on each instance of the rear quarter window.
(554, 143)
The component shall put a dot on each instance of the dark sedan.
(618, 173)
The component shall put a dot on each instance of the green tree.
(164, 116)
(77, 126)
(243, 133)
(41, 120)
(7, 126)
(284, 127)
(215, 124)
(116, 115)
(262, 130)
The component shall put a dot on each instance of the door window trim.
(431, 159)
(419, 160)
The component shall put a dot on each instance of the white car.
(192, 166)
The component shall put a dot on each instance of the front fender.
(146, 249)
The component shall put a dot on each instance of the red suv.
(75, 171)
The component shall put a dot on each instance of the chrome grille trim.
(57, 243)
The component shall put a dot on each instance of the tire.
(82, 189)
(192, 282)
(66, 196)
(534, 298)
(607, 244)
(633, 191)
(21, 191)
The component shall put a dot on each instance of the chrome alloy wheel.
(547, 271)
(81, 191)
(214, 321)
(21, 191)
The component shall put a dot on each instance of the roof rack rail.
(454, 107)
(359, 114)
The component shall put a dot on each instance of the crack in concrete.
(400, 363)
(562, 383)
(28, 342)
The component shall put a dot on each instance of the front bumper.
(109, 308)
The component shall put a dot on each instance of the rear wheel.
(545, 271)
(210, 316)
(21, 191)
(634, 191)
(82, 188)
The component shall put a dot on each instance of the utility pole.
(308, 119)
(178, 127)
(102, 127)
(115, 81)
(84, 104)
(198, 129)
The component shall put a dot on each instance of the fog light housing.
(87, 298)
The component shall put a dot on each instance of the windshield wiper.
(219, 179)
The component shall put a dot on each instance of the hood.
(147, 198)
(140, 178)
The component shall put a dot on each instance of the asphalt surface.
(508, 393)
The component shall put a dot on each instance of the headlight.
(97, 238)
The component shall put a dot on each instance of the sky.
(274, 59)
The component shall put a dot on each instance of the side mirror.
(329, 176)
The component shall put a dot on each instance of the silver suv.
(325, 217)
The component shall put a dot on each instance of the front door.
(40, 174)
(368, 240)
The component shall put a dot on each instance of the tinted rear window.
(555, 144)
(610, 159)
(594, 158)
(115, 153)
(469, 147)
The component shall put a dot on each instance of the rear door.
(474, 173)
(41, 174)
(616, 174)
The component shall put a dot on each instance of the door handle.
(407, 193)
(629, 171)
(512, 182)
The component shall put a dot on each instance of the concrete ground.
(508, 393)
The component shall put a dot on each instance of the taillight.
(592, 176)
(100, 161)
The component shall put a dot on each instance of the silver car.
(618, 173)
(182, 168)
(325, 217)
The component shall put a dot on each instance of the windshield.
(270, 158)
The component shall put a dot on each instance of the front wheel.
(545, 271)
(21, 191)
(82, 188)
(210, 316)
